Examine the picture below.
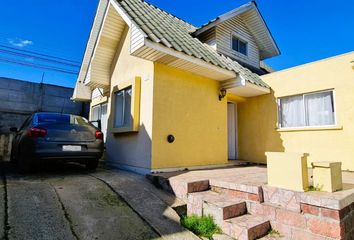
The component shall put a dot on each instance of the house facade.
(173, 96)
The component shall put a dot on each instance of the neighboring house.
(174, 96)
(19, 99)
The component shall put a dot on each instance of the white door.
(232, 130)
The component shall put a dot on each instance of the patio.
(296, 215)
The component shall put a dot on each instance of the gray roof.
(172, 32)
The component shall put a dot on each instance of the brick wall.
(294, 219)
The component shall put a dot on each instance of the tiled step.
(246, 227)
(222, 209)
(179, 187)
(218, 205)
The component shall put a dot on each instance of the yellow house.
(172, 96)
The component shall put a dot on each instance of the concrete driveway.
(66, 202)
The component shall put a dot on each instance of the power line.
(40, 66)
(41, 58)
(39, 54)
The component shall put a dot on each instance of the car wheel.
(23, 164)
(91, 164)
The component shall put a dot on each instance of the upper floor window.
(239, 45)
(307, 110)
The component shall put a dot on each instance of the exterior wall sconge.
(222, 94)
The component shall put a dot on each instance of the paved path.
(148, 202)
(67, 202)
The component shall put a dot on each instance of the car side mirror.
(96, 123)
(13, 129)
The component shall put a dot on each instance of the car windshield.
(61, 119)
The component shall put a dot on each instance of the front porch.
(245, 207)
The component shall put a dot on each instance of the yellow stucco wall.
(257, 117)
(131, 149)
(187, 106)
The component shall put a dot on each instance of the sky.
(305, 31)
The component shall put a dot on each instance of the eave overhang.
(243, 88)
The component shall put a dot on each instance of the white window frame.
(234, 35)
(303, 101)
(124, 106)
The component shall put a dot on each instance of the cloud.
(21, 43)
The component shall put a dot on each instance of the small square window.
(239, 45)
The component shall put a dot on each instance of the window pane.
(235, 44)
(95, 113)
(243, 47)
(127, 109)
(319, 109)
(292, 112)
(119, 101)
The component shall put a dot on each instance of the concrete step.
(179, 187)
(246, 227)
(222, 209)
(219, 206)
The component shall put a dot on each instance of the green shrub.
(316, 188)
(202, 226)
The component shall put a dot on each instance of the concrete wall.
(258, 131)
(187, 106)
(19, 99)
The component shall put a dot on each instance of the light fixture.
(222, 94)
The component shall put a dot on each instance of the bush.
(202, 226)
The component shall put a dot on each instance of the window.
(307, 110)
(239, 45)
(123, 116)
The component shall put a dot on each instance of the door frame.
(235, 122)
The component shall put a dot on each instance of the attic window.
(239, 45)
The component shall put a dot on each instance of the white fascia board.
(226, 16)
(159, 47)
(126, 16)
(96, 26)
(265, 26)
(97, 40)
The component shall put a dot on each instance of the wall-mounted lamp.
(222, 94)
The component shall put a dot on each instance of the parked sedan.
(56, 136)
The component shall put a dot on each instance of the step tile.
(195, 201)
(222, 209)
(246, 227)
(181, 188)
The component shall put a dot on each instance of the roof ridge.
(228, 12)
(172, 15)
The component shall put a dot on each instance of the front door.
(232, 130)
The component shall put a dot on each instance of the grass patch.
(314, 188)
(202, 226)
(273, 233)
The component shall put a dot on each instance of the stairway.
(230, 214)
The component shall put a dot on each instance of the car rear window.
(62, 118)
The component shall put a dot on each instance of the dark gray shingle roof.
(164, 28)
